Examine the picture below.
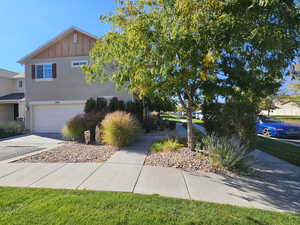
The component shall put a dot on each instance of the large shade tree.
(180, 47)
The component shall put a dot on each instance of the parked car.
(199, 116)
(273, 127)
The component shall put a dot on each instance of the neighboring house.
(12, 102)
(285, 109)
(56, 89)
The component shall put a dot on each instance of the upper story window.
(79, 63)
(45, 71)
(20, 84)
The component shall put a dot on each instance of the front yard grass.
(284, 151)
(178, 118)
(290, 119)
(45, 206)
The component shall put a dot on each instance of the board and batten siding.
(69, 46)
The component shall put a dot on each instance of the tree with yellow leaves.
(174, 47)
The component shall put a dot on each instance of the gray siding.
(7, 86)
(6, 112)
(70, 84)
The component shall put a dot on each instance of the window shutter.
(54, 74)
(33, 72)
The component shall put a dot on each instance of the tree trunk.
(190, 133)
(188, 108)
(268, 112)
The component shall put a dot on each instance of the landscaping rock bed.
(182, 158)
(72, 152)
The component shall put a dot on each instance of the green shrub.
(225, 152)
(166, 145)
(150, 124)
(121, 105)
(235, 118)
(75, 128)
(119, 129)
(12, 128)
(101, 104)
(136, 109)
(90, 105)
(115, 105)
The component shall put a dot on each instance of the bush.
(166, 145)
(149, 124)
(136, 109)
(12, 128)
(119, 129)
(225, 152)
(90, 105)
(101, 104)
(75, 128)
(116, 105)
(233, 119)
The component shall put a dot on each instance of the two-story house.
(55, 86)
(12, 102)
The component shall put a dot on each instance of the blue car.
(272, 127)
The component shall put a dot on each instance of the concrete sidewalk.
(277, 187)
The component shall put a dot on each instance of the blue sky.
(26, 25)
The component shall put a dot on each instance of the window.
(20, 84)
(43, 71)
(79, 63)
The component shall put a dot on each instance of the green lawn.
(280, 150)
(290, 119)
(177, 118)
(45, 206)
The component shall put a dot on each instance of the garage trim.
(56, 102)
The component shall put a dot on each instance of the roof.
(10, 74)
(53, 41)
(19, 75)
(6, 73)
(12, 97)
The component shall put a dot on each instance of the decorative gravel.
(73, 153)
(182, 158)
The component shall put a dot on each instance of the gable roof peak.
(54, 40)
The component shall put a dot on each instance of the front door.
(16, 111)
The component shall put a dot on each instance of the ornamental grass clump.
(227, 153)
(166, 145)
(119, 129)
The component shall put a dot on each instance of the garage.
(51, 118)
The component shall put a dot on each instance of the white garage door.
(52, 118)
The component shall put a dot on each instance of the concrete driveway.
(21, 145)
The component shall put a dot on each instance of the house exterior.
(12, 101)
(56, 88)
(285, 109)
